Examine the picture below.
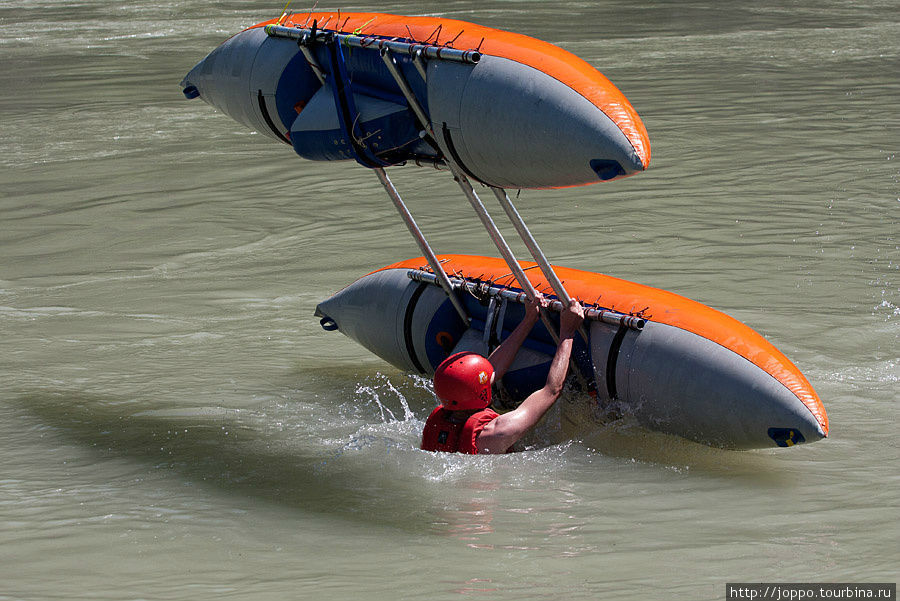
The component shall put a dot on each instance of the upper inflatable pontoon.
(510, 110)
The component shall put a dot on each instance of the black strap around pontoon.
(348, 114)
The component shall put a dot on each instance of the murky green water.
(175, 425)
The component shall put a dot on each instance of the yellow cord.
(284, 13)
(359, 29)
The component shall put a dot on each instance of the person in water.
(464, 421)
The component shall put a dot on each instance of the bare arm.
(503, 355)
(500, 434)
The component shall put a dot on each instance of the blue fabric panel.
(297, 84)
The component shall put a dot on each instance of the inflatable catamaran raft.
(507, 111)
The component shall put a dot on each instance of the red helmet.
(463, 381)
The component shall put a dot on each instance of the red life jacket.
(444, 434)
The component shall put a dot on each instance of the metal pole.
(605, 315)
(494, 232)
(531, 244)
(406, 90)
(432, 259)
(419, 63)
(463, 181)
(476, 203)
(429, 51)
(317, 69)
(535, 250)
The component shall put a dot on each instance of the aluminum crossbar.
(493, 231)
(313, 64)
(531, 244)
(498, 240)
(476, 203)
(405, 89)
(436, 267)
(590, 313)
(428, 51)
(461, 179)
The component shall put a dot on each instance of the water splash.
(372, 393)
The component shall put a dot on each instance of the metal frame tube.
(593, 314)
(493, 231)
(441, 276)
(367, 41)
(500, 242)
(421, 67)
(531, 244)
(464, 184)
(461, 179)
(406, 90)
(313, 63)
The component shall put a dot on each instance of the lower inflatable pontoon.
(676, 365)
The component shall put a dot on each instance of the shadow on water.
(236, 451)
(362, 473)
(626, 440)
